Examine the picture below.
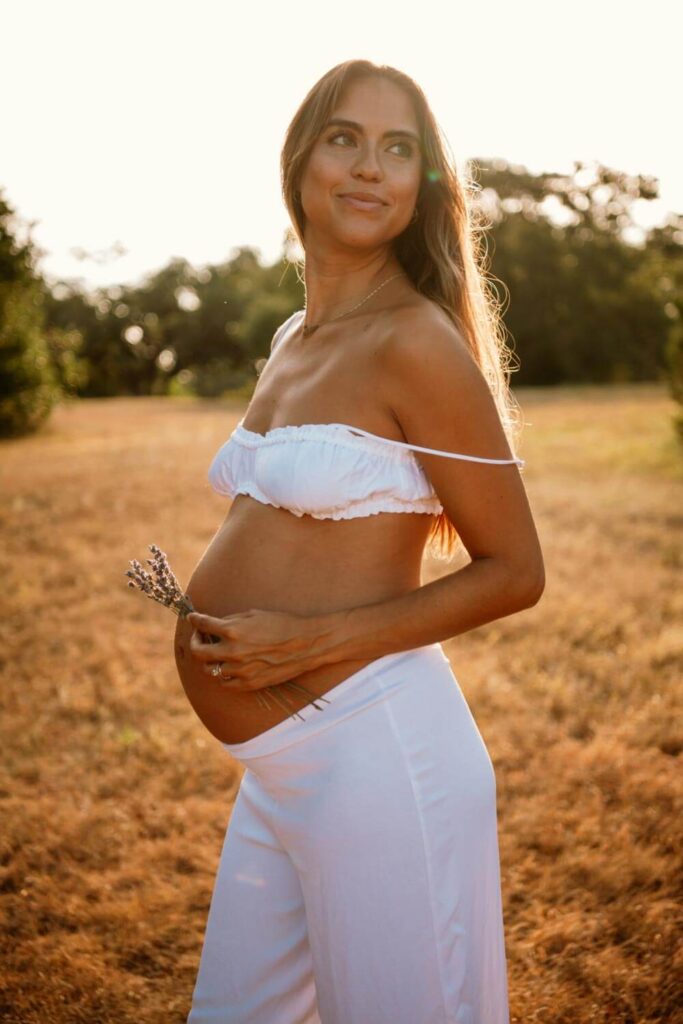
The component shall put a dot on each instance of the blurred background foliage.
(587, 296)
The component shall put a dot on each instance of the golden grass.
(114, 799)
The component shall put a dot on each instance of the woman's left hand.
(259, 648)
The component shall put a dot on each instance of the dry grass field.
(114, 799)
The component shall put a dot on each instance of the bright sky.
(156, 126)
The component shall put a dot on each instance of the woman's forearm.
(480, 592)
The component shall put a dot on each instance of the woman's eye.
(344, 135)
(339, 135)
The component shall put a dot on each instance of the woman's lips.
(361, 204)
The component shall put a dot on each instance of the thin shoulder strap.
(435, 451)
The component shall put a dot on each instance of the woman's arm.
(480, 592)
(440, 399)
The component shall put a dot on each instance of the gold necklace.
(307, 331)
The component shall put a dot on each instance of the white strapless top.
(328, 470)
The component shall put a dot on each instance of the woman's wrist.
(336, 636)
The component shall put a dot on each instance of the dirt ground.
(114, 799)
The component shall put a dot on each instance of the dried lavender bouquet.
(162, 586)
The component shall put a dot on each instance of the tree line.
(587, 297)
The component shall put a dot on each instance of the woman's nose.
(368, 163)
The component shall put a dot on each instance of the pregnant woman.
(359, 880)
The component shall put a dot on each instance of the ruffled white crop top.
(328, 470)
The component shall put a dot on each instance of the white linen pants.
(359, 880)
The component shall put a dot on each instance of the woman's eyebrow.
(345, 123)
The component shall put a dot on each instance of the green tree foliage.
(207, 326)
(28, 384)
(666, 278)
(585, 305)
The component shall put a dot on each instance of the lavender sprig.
(162, 585)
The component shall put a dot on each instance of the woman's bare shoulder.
(417, 327)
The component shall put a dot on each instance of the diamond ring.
(217, 670)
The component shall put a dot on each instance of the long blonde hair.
(442, 251)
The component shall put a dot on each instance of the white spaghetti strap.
(435, 451)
